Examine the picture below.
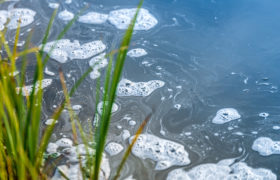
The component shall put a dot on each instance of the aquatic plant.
(22, 141)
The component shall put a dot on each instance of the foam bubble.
(52, 148)
(64, 49)
(65, 15)
(49, 121)
(121, 19)
(222, 170)
(113, 148)
(125, 134)
(93, 18)
(100, 107)
(132, 123)
(225, 115)
(26, 91)
(129, 88)
(64, 142)
(50, 73)
(137, 52)
(263, 114)
(266, 146)
(53, 5)
(166, 153)
(77, 107)
(97, 63)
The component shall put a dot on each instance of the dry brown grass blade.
(128, 151)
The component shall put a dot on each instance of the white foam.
(125, 134)
(97, 63)
(263, 114)
(52, 148)
(26, 90)
(68, 1)
(53, 5)
(129, 88)
(166, 153)
(64, 142)
(77, 107)
(222, 170)
(266, 146)
(121, 19)
(65, 15)
(73, 171)
(137, 52)
(64, 49)
(100, 107)
(113, 148)
(93, 18)
(3, 19)
(26, 17)
(50, 73)
(132, 123)
(225, 115)
(276, 127)
(49, 121)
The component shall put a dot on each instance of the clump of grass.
(21, 148)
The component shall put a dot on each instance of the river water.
(210, 54)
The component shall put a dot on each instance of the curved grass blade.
(105, 120)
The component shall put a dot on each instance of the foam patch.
(65, 15)
(93, 18)
(53, 5)
(137, 52)
(113, 148)
(26, 91)
(266, 146)
(221, 171)
(166, 153)
(225, 115)
(64, 142)
(64, 49)
(26, 17)
(97, 63)
(121, 19)
(49, 122)
(129, 88)
(100, 107)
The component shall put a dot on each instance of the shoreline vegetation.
(22, 141)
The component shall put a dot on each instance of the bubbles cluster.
(121, 19)
(266, 146)
(129, 88)
(225, 169)
(166, 153)
(26, 90)
(64, 49)
(113, 148)
(225, 115)
(97, 63)
(137, 52)
(23, 15)
(93, 18)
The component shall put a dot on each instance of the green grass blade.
(116, 77)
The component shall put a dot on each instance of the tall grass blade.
(105, 120)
